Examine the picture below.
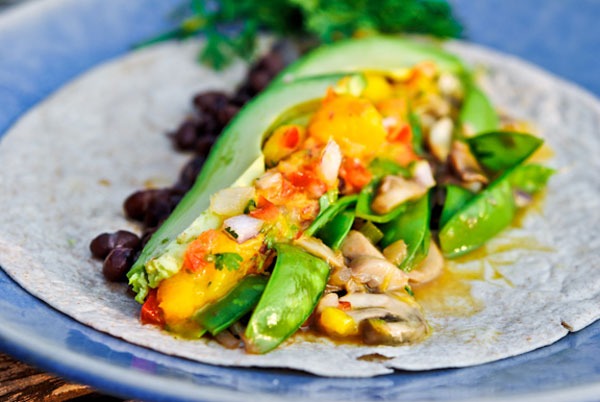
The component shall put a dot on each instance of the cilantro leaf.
(230, 261)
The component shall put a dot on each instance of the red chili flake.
(344, 305)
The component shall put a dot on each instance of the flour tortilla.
(68, 164)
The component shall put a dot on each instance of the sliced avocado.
(376, 53)
(236, 149)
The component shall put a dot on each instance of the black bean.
(103, 244)
(203, 146)
(117, 263)
(226, 113)
(136, 205)
(272, 62)
(210, 102)
(243, 94)
(185, 136)
(147, 235)
(259, 80)
(188, 174)
(158, 209)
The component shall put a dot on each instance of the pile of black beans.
(151, 207)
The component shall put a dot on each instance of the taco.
(483, 331)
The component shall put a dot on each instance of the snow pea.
(477, 112)
(335, 231)
(501, 150)
(233, 306)
(295, 286)
(456, 197)
(530, 178)
(417, 133)
(412, 227)
(328, 214)
(491, 211)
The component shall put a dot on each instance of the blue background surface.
(45, 50)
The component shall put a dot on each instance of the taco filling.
(339, 217)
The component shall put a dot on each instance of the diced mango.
(184, 293)
(354, 123)
(337, 323)
(377, 88)
(283, 142)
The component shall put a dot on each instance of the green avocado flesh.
(238, 147)
(376, 53)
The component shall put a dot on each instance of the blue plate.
(47, 43)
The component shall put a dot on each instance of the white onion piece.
(269, 180)
(331, 160)
(244, 226)
(231, 201)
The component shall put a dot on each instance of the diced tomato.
(291, 137)
(195, 255)
(354, 174)
(401, 133)
(151, 312)
(265, 210)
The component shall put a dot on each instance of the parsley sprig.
(231, 26)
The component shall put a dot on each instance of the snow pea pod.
(501, 150)
(456, 197)
(295, 286)
(477, 112)
(412, 227)
(490, 211)
(237, 303)
(530, 178)
(335, 231)
(328, 214)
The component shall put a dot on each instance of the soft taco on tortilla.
(342, 196)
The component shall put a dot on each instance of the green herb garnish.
(230, 261)
(231, 232)
(232, 26)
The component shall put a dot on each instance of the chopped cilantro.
(251, 206)
(409, 290)
(231, 232)
(230, 261)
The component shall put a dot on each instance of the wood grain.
(21, 382)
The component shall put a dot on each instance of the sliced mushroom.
(429, 269)
(423, 174)
(440, 138)
(395, 190)
(465, 165)
(386, 319)
(396, 252)
(378, 273)
(357, 244)
(317, 248)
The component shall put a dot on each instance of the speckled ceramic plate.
(32, 330)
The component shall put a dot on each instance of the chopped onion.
(243, 227)
(331, 160)
(269, 180)
(231, 201)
